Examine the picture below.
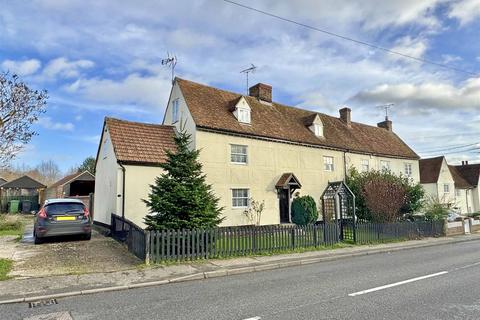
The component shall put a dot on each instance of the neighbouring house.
(471, 174)
(251, 147)
(28, 191)
(447, 183)
(126, 166)
(78, 185)
(2, 181)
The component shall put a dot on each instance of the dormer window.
(318, 130)
(242, 111)
(315, 124)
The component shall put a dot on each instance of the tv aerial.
(247, 71)
(386, 107)
(170, 61)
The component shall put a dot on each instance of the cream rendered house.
(254, 148)
(447, 184)
(251, 148)
(471, 175)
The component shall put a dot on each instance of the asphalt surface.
(440, 282)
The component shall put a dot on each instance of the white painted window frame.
(385, 165)
(407, 169)
(238, 154)
(243, 198)
(175, 110)
(328, 163)
(365, 165)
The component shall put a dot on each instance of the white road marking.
(398, 283)
(254, 318)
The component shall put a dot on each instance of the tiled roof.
(70, 177)
(140, 143)
(211, 109)
(24, 182)
(287, 178)
(430, 169)
(460, 181)
(470, 172)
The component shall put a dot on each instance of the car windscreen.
(64, 208)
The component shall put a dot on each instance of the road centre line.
(397, 284)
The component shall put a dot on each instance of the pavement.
(46, 287)
(439, 281)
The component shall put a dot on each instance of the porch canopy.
(288, 181)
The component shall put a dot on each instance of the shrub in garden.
(304, 210)
(435, 209)
(363, 183)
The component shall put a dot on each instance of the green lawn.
(5, 267)
(13, 224)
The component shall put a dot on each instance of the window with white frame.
(365, 165)
(175, 111)
(240, 198)
(408, 169)
(385, 165)
(328, 163)
(243, 115)
(446, 188)
(238, 153)
(318, 130)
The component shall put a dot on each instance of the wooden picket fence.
(223, 242)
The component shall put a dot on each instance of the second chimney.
(346, 116)
(387, 125)
(261, 91)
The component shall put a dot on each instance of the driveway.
(66, 255)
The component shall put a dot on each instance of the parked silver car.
(59, 217)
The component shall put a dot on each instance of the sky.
(103, 58)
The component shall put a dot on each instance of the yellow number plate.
(67, 218)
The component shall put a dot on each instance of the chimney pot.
(261, 91)
(346, 116)
(387, 125)
(466, 162)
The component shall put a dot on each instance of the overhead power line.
(476, 150)
(360, 42)
(435, 150)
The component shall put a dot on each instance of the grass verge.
(5, 267)
(13, 224)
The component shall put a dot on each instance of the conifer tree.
(180, 197)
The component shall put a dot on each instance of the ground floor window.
(240, 198)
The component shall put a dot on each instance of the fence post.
(147, 247)
(293, 237)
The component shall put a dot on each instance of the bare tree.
(48, 171)
(20, 107)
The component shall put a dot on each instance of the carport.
(24, 189)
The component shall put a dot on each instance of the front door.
(284, 196)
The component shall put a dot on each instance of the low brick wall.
(475, 225)
(455, 228)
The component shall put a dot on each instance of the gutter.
(123, 194)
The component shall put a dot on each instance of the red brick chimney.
(261, 91)
(346, 116)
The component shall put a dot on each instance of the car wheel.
(37, 240)
(87, 236)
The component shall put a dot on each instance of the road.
(440, 282)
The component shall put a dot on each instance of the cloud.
(414, 47)
(426, 96)
(465, 11)
(62, 67)
(22, 67)
(149, 91)
(49, 123)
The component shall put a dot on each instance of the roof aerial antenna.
(386, 107)
(247, 71)
(170, 61)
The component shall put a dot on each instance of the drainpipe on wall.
(123, 195)
(344, 165)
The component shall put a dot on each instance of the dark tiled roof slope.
(211, 109)
(140, 143)
(460, 181)
(430, 169)
(24, 182)
(470, 172)
(69, 177)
